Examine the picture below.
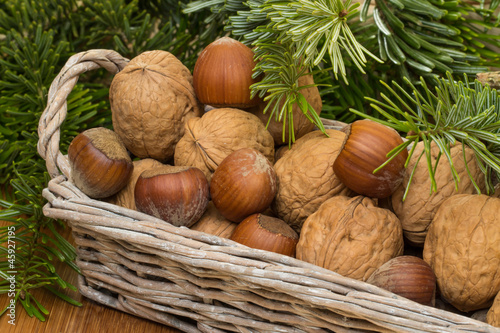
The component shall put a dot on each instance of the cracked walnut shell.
(350, 236)
(151, 100)
(463, 249)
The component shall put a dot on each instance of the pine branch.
(33, 255)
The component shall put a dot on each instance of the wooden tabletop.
(67, 318)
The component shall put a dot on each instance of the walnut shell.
(151, 99)
(125, 198)
(463, 249)
(306, 178)
(301, 124)
(420, 206)
(212, 222)
(350, 236)
(219, 132)
(493, 314)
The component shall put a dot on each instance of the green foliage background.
(36, 39)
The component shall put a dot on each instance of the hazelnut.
(125, 197)
(100, 163)
(222, 75)
(176, 194)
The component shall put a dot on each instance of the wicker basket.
(197, 282)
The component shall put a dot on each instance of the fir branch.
(453, 112)
(295, 33)
(28, 69)
(220, 10)
(131, 31)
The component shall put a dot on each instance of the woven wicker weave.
(202, 283)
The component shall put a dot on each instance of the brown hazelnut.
(176, 194)
(350, 236)
(407, 276)
(268, 233)
(222, 75)
(125, 197)
(244, 183)
(100, 164)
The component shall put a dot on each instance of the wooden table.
(66, 318)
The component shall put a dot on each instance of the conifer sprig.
(452, 112)
(279, 87)
(429, 38)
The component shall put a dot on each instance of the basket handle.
(56, 109)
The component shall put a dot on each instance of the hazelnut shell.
(176, 194)
(408, 276)
(222, 75)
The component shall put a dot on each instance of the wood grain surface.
(67, 318)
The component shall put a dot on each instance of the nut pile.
(194, 150)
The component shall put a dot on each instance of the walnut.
(301, 124)
(463, 249)
(350, 236)
(420, 206)
(212, 222)
(306, 178)
(125, 198)
(218, 133)
(493, 314)
(151, 99)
